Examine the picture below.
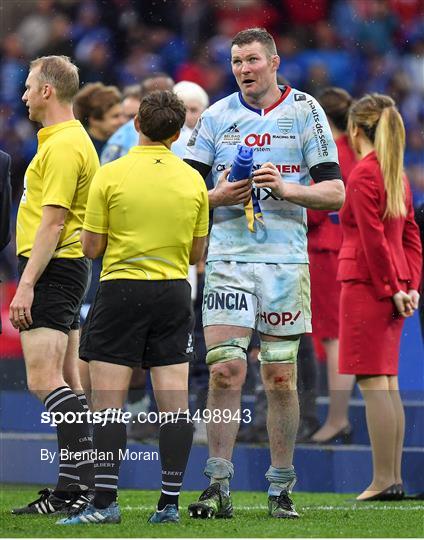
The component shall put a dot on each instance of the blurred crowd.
(359, 45)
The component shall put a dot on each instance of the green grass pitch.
(325, 515)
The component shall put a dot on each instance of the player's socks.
(72, 437)
(110, 440)
(175, 440)
(220, 471)
(83, 401)
(280, 479)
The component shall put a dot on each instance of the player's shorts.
(58, 293)
(273, 298)
(140, 323)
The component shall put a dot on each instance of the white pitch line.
(329, 508)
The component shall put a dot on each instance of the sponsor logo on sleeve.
(319, 134)
(299, 97)
(231, 135)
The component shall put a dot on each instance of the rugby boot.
(212, 503)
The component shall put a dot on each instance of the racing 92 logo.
(253, 139)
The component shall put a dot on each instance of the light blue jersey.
(294, 135)
(120, 143)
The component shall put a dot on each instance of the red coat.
(323, 233)
(382, 252)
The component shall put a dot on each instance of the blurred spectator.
(299, 14)
(59, 39)
(98, 108)
(88, 30)
(240, 14)
(375, 74)
(140, 62)
(317, 78)
(130, 101)
(291, 66)
(34, 30)
(119, 144)
(12, 71)
(376, 31)
(414, 161)
(408, 11)
(99, 66)
(413, 61)
(196, 101)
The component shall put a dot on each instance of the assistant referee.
(147, 214)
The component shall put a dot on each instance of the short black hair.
(160, 115)
(245, 37)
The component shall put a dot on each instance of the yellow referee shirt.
(60, 175)
(150, 204)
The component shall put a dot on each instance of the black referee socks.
(175, 440)
(73, 438)
(110, 440)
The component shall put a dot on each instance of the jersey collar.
(285, 91)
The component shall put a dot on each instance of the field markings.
(301, 508)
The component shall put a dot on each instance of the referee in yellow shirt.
(53, 270)
(147, 214)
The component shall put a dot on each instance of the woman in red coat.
(379, 267)
(324, 242)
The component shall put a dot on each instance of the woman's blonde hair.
(381, 122)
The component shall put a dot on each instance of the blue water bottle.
(240, 170)
(242, 165)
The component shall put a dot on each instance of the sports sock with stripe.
(73, 437)
(110, 440)
(175, 440)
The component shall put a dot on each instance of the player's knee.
(279, 378)
(227, 375)
(279, 352)
(229, 350)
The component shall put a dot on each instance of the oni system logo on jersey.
(254, 139)
(285, 124)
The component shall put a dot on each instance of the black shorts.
(58, 293)
(140, 323)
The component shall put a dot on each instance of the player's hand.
(415, 297)
(228, 193)
(269, 177)
(403, 303)
(20, 307)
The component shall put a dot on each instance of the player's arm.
(325, 194)
(225, 193)
(200, 231)
(94, 234)
(197, 249)
(45, 243)
(93, 244)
